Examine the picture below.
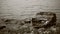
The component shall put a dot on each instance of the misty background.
(21, 9)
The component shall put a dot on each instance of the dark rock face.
(44, 19)
(44, 23)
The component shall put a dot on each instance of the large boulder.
(44, 19)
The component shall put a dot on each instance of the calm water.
(22, 9)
